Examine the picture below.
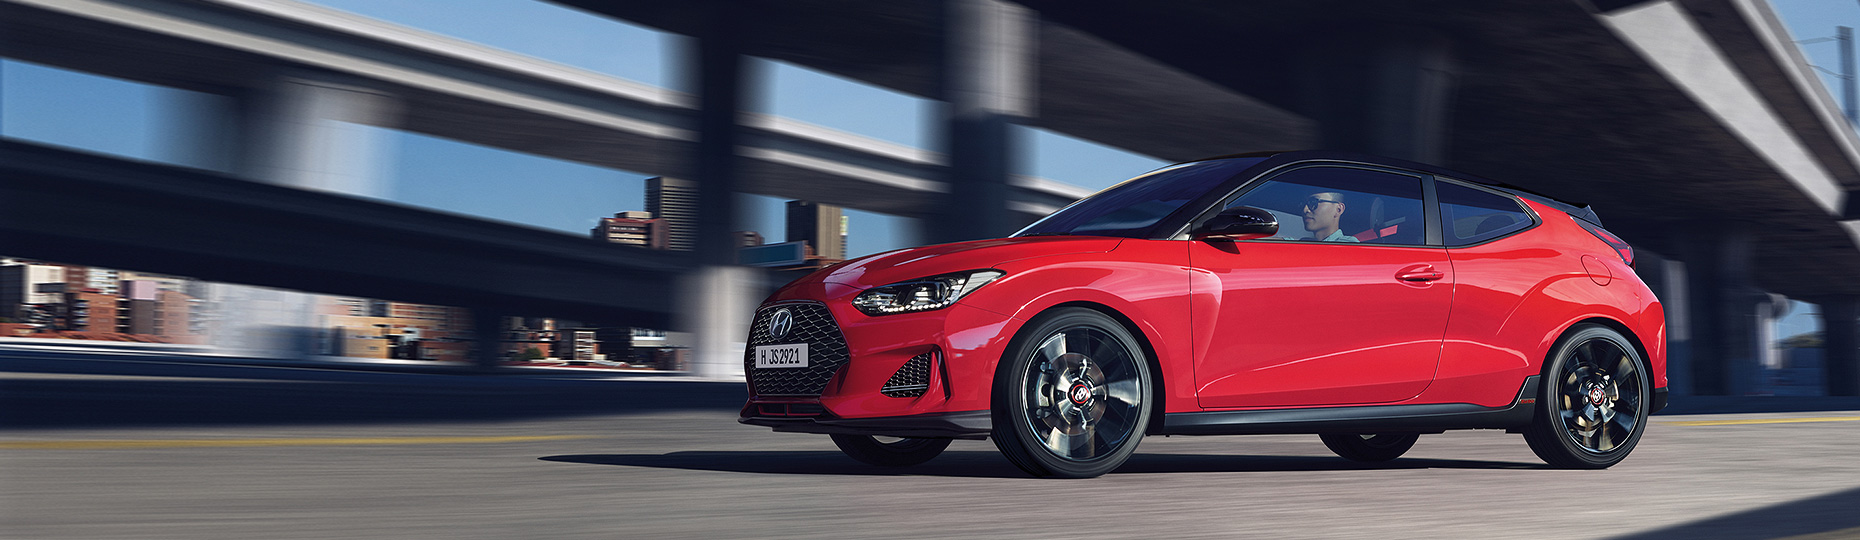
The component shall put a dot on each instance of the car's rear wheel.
(1370, 448)
(890, 451)
(1071, 397)
(1593, 405)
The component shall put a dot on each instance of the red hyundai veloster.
(1362, 299)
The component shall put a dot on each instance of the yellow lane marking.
(1843, 534)
(1765, 421)
(227, 443)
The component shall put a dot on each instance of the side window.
(1340, 204)
(1471, 216)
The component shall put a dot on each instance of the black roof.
(1279, 157)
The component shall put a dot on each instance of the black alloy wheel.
(1072, 396)
(1369, 448)
(1593, 405)
(890, 451)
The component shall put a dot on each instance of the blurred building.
(162, 282)
(676, 202)
(361, 337)
(822, 226)
(444, 319)
(577, 345)
(139, 307)
(633, 229)
(26, 290)
(177, 317)
(343, 305)
(80, 278)
(409, 338)
(89, 312)
(634, 346)
(749, 239)
(528, 338)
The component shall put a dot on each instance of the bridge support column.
(1724, 310)
(989, 64)
(1667, 278)
(488, 332)
(1381, 90)
(311, 133)
(718, 300)
(1840, 323)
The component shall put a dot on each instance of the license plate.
(793, 355)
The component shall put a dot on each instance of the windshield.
(1130, 209)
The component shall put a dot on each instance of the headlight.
(935, 292)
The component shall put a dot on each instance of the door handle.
(1425, 273)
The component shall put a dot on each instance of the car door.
(1352, 317)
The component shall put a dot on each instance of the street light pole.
(1845, 36)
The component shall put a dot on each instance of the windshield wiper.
(1047, 234)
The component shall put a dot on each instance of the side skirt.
(1357, 419)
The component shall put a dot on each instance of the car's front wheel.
(1071, 399)
(1593, 404)
(890, 451)
(1369, 448)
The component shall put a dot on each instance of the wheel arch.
(1646, 362)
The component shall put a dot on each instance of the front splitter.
(956, 425)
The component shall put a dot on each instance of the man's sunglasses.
(1314, 202)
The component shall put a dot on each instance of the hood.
(905, 264)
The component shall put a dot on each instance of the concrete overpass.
(396, 77)
(294, 69)
(1692, 125)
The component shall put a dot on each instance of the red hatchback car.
(1362, 299)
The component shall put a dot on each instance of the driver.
(1324, 217)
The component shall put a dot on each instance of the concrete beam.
(84, 209)
(1674, 44)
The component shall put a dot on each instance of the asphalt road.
(107, 449)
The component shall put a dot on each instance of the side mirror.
(1242, 223)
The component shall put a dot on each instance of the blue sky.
(117, 117)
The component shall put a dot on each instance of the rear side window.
(1473, 215)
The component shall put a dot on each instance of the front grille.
(826, 352)
(910, 380)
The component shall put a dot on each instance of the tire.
(903, 452)
(1375, 448)
(1071, 398)
(1593, 405)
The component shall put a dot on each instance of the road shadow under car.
(984, 464)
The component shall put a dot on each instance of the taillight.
(1621, 246)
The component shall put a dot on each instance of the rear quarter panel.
(1515, 296)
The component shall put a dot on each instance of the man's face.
(1323, 211)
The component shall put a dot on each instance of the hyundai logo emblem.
(781, 323)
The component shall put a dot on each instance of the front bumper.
(916, 374)
(956, 425)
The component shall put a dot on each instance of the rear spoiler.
(1576, 210)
